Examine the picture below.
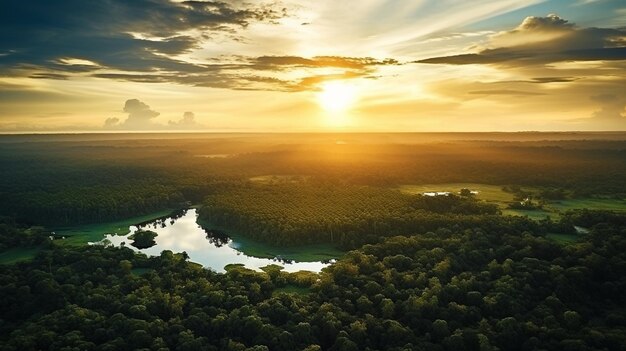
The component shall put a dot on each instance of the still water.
(211, 249)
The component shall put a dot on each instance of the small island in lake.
(143, 239)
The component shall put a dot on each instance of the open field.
(495, 194)
(18, 254)
(537, 215)
(563, 239)
(304, 253)
(589, 203)
(486, 192)
(278, 178)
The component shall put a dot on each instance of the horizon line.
(26, 133)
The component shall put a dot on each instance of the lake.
(210, 248)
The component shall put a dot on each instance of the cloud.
(251, 73)
(542, 40)
(186, 122)
(533, 23)
(504, 92)
(585, 2)
(358, 63)
(111, 122)
(152, 41)
(138, 112)
(45, 75)
(138, 35)
(313, 82)
(609, 115)
(544, 80)
(140, 117)
(612, 109)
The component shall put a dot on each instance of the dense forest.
(349, 216)
(73, 180)
(477, 289)
(451, 272)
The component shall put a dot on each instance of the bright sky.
(326, 65)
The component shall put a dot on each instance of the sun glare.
(336, 96)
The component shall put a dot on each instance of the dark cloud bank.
(39, 34)
(140, 41)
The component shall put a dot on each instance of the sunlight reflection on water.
(185, 234)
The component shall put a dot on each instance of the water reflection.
(217, 237)
(210, 247)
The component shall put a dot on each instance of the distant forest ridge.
(399, 137)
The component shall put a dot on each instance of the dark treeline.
(94, 204)
(68, 182)
(12, 234)
(474, 289)
(348, 216)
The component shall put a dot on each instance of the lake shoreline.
(182, 232)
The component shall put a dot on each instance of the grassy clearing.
(590, 203)
(486, 192)
(291, 289)
(495, 194)
(18, 254)
(278, 178)
(81, 235)
(304, 253)
(536, 215)
(563, 239)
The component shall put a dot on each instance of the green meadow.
(495, 194)
(563, 239)
(537, 215)
(277, 178)
(589, 203)
(18, 254)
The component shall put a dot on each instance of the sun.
(337, 97)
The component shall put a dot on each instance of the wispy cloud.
(586, 2)
(279, 73)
